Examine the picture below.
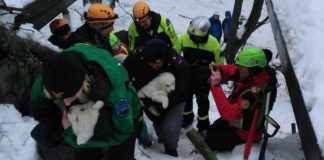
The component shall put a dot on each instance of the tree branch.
(264, 21)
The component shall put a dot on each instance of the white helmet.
(216, 13)
(199, 26)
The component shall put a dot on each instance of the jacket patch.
(245, 104)
(122, 107)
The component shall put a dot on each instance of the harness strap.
(262, 101)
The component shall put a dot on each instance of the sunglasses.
(101, 25)
(141, 20)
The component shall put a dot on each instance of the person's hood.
(228, 13)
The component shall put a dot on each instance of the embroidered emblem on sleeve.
(122, 107)
(245, 104)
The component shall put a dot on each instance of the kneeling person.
(251, 78)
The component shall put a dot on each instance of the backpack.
(272, 86)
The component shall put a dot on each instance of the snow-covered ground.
(302, 24)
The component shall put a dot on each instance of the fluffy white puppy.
(158, 90)
(83, 118)
(120, 57)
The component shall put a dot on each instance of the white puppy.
(158, 90)
(83, 118)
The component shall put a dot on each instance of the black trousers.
(124, 151)
(221, 137)
(201, 92)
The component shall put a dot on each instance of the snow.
(15, 140)
(17, 3)
(302, 23)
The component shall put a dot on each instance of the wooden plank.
(40, 12)
(306, 131)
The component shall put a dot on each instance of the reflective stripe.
(140, 118)
(187, 113)
(202, 118)
(236, 123)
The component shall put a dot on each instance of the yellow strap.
(187, 113)
(203, 118)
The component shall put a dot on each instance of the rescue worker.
(251, 81)
(147, 25)
(80, 74)
(143, 66)
(199, 48)
(62, 36)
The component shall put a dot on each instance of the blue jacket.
(216, 28)
(226, 24)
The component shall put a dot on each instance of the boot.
(187, 120)
(147, 143)
(203, 124)
(171, 152)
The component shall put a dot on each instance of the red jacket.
(231, 108)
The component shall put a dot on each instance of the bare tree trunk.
(234, 44)
(19, 65)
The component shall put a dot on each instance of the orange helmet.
(59, 27)
(99, 12)
(57, 23)
(140, 9)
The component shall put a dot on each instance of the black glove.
(104, 127)
(153, 108)
(147, 102)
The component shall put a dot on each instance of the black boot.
(203, 124)
(187, 120)
(147, 143)
(160, 140)
(171, 152)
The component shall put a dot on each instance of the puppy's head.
(79, 109)
(167, 82)
(76, 109)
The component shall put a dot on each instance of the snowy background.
(302, 23)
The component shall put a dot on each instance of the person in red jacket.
(237, 111)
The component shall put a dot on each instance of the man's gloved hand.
(147, 102)
(154, 107)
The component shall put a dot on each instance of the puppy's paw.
(83, 138)
(165, 103)
(99, 104)
(154, 111)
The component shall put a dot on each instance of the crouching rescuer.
(79, 76)
(242, 113)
